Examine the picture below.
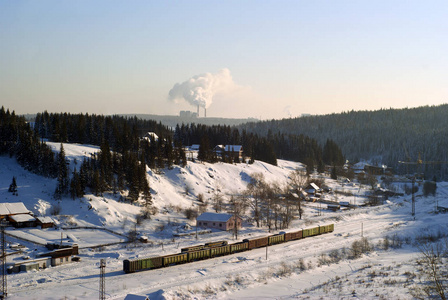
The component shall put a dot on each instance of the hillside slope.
(314, 268)
(385, 136)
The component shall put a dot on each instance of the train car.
(326, 228)
(216, 244)
(276, 239)
(291, 236)
(239, 247)
(192, 248)
(257, 242)
(310, 232)
(219, 251)
(175, 259)
(220, 248)
(130, 266)
(198, 255)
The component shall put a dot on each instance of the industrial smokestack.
(205, 112)
(200, 89)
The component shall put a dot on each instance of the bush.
(284, 270)
(360, 247)
(190, 213)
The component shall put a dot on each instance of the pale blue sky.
(286, 57)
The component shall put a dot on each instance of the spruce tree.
(13, 186)
(63, 178)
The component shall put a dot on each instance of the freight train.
(220, 248)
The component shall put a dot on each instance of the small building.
(44, 222)
(151, 136)
(378, 170)
(313, 189)
(135, 297)
(22, 220)
(61, 256)
(27, 265)
(234, 152)
(194, 147)
(218, 221)
(333, 207)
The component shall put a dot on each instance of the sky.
(238, 59)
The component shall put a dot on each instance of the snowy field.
(314, 268)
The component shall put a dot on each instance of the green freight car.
(276, 239)
(198, 255)
(326, 228)
(219, 251)
(130, 266)
(310, 232)
(238, 247)
(175, 259)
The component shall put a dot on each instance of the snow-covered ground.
(313, 268)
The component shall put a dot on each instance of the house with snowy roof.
(235, 152)
(17, 214)
(151, 136)
(218, 221)
(11, 209)
(312, 188)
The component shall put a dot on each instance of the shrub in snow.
(360, 247)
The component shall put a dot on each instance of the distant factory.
(190, 114)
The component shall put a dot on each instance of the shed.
(312, 188)
(135, 297)
(29, 266)
(218, 221)
(334, 207)
(45, 222)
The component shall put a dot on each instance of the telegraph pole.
(413, 197)
(4, 292)
(102, 279)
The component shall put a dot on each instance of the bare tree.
(255, 192)
(237, 208)
(217, 200)
(434, 268)
(298, 180)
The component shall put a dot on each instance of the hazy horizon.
(251, 59)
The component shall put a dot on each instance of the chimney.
(198, 110)
(205, 112)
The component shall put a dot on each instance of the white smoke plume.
(200, 89)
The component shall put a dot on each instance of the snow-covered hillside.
(313, 268)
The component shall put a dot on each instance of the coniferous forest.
(124, 154)
(385, 136)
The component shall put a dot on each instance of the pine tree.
(76, 190)
(13, 186)
(63, 179)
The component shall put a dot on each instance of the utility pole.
(4, 292)
(413, 197)
(102, 279)
(419, 162)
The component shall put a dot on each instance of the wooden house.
(44, 222)
(218, 221)
(22, 220)
(234, 152)
(313, 189)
